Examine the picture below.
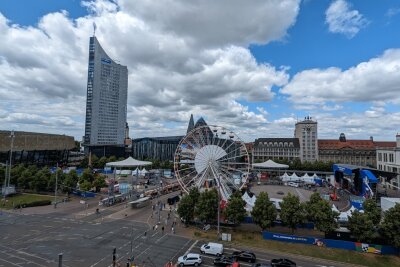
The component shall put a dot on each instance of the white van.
(212, 248)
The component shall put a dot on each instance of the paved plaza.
(36, 236)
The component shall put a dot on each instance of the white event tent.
(129, 162)
(270, 164)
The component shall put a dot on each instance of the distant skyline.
(254, 69)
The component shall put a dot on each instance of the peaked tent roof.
(129, 162)
(271, 165)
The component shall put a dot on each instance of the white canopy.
(270, 164)
(129, 162)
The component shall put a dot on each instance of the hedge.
(36, 203)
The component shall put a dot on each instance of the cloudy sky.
(255, 67)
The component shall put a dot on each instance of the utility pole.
(5, 181)
(12, 135)
(55, 189)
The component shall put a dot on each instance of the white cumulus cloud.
(342, 19)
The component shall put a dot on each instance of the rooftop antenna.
(94, 28)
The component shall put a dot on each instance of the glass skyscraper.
(107, 89)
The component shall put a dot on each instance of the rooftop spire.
(191, 124)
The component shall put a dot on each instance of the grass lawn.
(23, 198)
(255, 240)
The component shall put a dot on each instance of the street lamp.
(7, 181)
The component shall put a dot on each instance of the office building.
(36, 148)
(355, 152)
(307, 133)
(388, 159)
(161, 148)
(106, 103)
(276, 149)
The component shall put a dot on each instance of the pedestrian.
(169, 215)
(173, 230)
(162, 229)
(155, 227)
(145, 233)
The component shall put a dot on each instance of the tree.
(321, 214)
(87, 175)
(40, 180)
(390, 226)
(264, 211)
(207, 206)
(85, 185)
(99, 182)
(361, 226)
(292, 211)
(372, 210)
(23, 180)
(186, 209)
(194, 194)
(235, 210)
(101, 162)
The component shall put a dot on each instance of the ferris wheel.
(212, 157)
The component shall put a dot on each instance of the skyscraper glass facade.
(107, 89)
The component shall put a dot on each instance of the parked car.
(261, 265)
(223, 261)
(244, 256)
(212, 248)
(293, 184)
(282, 263)
(190, 259)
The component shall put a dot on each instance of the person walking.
(162, 229)
(173, 230)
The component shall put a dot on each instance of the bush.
(36, 203)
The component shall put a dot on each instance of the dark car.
(261, 265)
(282, 263)
(244, 256)
(223, 261)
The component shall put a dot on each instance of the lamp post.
(55, 189)
(12, 135)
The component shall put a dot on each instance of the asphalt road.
(88, 239)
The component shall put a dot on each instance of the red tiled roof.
(385, 144)
(354, 144)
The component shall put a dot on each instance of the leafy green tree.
(87, 175)
(194, 194)
(207, 206)
(292, 211)
(390, 226)
(84, 162)
(112, 159)
(23, 180)
(312, 206)
(361, 226)
(85, 185)
(94, 161)
(40, 180)
(101, 163)
(372, 210)
(99, 182)
(235, 210)
(321, 214)
(264, 211)
(186, 209)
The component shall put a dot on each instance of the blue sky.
(255, 69)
